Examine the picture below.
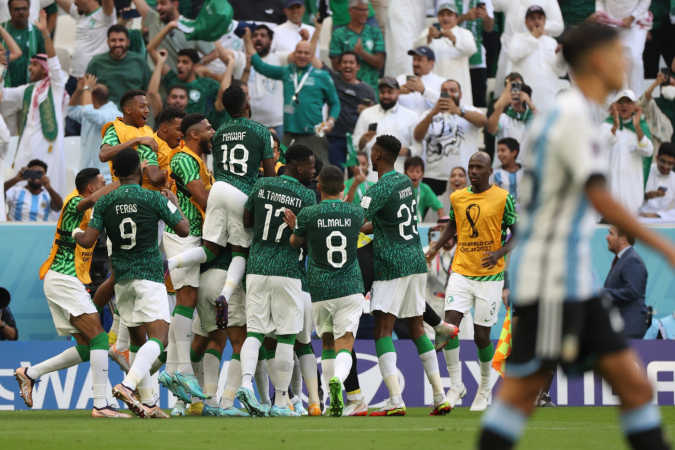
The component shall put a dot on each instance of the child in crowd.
(510, 175)
(414, 169)
(356, 187)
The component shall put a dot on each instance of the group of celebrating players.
(262, 227)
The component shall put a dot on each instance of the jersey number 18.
(230, 165)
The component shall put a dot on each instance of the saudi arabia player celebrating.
(332, 229)
(400, 274)
(130, 215)
(72, 309)
(273, 287)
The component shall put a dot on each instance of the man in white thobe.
(290, 33)
(41, 137)
(421, 91)
(453, 46)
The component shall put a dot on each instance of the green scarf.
(523, 117)
(646, 161)
(50, 128)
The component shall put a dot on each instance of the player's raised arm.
(90, 201)
(448, 232)
(85, 238)
(291, 220)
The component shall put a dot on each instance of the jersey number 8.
(408, 222)
(234, 160)
(341, 249)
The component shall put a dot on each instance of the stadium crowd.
(446, 79)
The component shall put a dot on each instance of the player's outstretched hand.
(430, 254)
(171, 196)
(289, 218)
(505, 296)
(490, 260)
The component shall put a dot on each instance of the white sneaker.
(355, 408)
(456, 393)
(480, 403)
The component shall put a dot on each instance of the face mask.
(668, 93)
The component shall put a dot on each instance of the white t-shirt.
(449, 142)
(656, 180)
(267, 94)
(510, 127)
(287, 36)
(23, 206)
(91, 38)
(422, 102)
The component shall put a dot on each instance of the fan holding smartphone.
(38, 191)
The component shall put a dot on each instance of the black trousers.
(661, 44)
(479, 87)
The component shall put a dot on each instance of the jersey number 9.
(131, 236)
(233, 160)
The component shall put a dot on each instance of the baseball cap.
(423, 51)
(535, 9)
(388, 81)
(625, 93)
(449, 6)
(289, 3)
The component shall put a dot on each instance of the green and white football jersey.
(390, 204)
(239, 147)
(130, 216)
(333, 228)
(271, 253)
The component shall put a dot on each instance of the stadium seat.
(324, 40)
(64, 36)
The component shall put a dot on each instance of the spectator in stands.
(8, 44)
(267, 11)
(514, 12)
(535, 56)
(355, 96)
(174, 42)
(453, 46)
(426, 198)
(666, 101)
(660, 40)
(356, 186)
(660, 188)
(291, 32)
(267, 94)
(458, 180)
(635, 20)
(450, 132)
(93, 18)
(478, 17)
(90, 106)
(365, 40)
(8, 328)
(421, 91)
(341, 16)
(4, 147)
(663, 328)
(509, 174)
(626, 283)
(35, 200)
(513, 112)
(27, 37)
(305, 92)
(389, 117)
(120, 70)
(42, 126)
(629, 139)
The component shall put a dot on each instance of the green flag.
(352, 160)
(212, 22)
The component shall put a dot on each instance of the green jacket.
(318, 89)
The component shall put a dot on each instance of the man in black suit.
(626, 283)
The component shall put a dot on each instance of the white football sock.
(262, 380)
(249, 359)
(211, 365)
(343, 364)
(430, 363)
(188, 258)
(198, 369)
(284, 372)
(115, 327)
(296, 380)
(183, 335)
(454, 366)
(328, 369)
(308, 369)
(156, 366)
(99, 373)
(235, 273)
(142, 362)
(145, 389)
(272, 371)
(68, 358)
(485, 371)
(232, 384)
(171, 352)
(122, 343)
(387, 363)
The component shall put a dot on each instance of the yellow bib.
(479, 229)
(82, 255)
(126, 133)
(204, 174)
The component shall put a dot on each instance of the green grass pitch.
(555, 428)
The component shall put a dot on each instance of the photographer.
(34, 201)
(451, 133)
(8, 329)
(513, 112)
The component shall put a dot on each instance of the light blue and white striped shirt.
(511, 182)
(23, 206)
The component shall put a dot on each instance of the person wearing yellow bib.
(480, 215)
(192, 184)
(168, 137)
(64, 273)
